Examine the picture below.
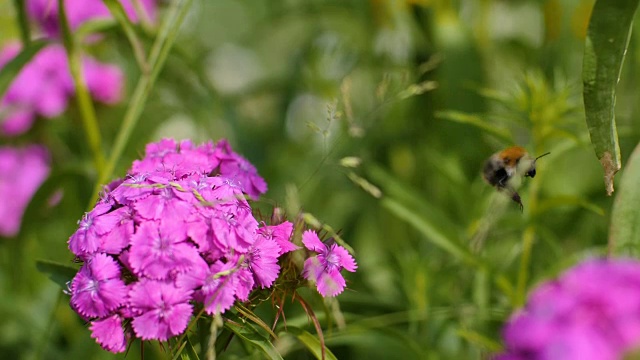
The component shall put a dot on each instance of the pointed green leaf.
(247, 332)
(60, 274)
(312, 343)
(605, 47)
(624, 233)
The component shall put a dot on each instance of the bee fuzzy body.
(502, 166)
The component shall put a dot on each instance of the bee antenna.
(545, 154)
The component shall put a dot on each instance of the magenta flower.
(44, 86)
(325, 268)
(180, 233)
(93, 226)
(591, 312)
(219, 289)
(281, 234)
(162, 309)
(109, 334)
(234, 166)
(159, 249)
(97, 288)
(262, 260)
(22, 171)
(164, 203)
(45, 12)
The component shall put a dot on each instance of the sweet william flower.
(45, 12)
(44, 86)
(262, 260)
(219, 289)
(109, 334)
(592, 311)
(160, 248)
(281, 234)
(22, 171)
(181, 234)
(324, 269)
(236, 167)
(97, 288)
(162, 309)
(91, 228)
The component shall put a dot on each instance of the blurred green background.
(421, 93)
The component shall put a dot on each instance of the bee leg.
(516, 197)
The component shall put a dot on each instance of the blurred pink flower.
(45, 12)
(591, 312)
(22, 171)
(44, 86)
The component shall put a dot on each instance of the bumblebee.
(502, 166)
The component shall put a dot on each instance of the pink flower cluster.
(44, 87)
(45, 12)
(22, 171)
(179, 230)
(591, 312)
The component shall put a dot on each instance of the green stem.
(117, 11)
(159, 52)
(23, 22)
(523, 275)
(85, 105)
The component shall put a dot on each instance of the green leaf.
(248, 333)
(624, 233)
(13, 67)
(253, 317)
(605, 46)
(60, 274)
(312, 343)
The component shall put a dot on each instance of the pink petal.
(330, 283)
(312, 242)
(346, 260)
(109, 334)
